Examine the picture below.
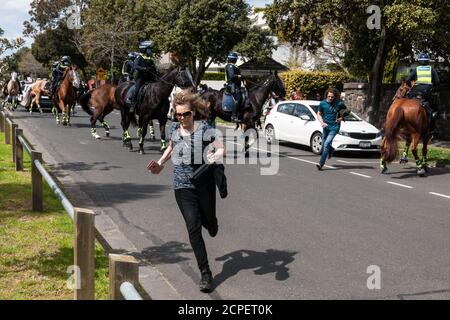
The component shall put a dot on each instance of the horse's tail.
(391, 130)
(133, 119)
(84, 101)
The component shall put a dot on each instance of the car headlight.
(344, 133)
(378, 135)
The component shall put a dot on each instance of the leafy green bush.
(214, 76)
(311, 82)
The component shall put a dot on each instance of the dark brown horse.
(406, 119)
(65, 96)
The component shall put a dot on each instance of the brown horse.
(65, 96)
(406, 119)
(103, 101)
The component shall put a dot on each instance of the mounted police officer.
(59, 68)
(144, 70)
(128, 66)
(234, 81)
(425, 80)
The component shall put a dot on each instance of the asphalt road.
(299, 234)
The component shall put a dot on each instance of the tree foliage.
(52, 37)
(111, 29)
(407, 25)
(204, 31)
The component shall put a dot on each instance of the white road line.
(293, 158)
(440, 195)
(358, 162)
(361, 175)
(400, 185)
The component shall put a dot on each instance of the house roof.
(264, 64)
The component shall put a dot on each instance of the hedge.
(311, 82)
(214, 76)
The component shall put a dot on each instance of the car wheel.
(269, 133)
(316, 143)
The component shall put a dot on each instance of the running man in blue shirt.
(329, 118)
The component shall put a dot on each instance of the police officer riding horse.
(233, 87)
(144, 71)
(59, 67)
(425, 80)
(128, 67)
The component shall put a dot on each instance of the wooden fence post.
(121, 268)
(36, 183)
(84, 253)
(13, 141)
(2, 121)
(7, 131)
(19, 151)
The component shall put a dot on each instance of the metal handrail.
(25, 144)
(129, 292)
(56, 190)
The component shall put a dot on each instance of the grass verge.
(36, 249)
(437, 157)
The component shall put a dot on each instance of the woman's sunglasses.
(185, 114)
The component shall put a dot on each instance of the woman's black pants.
(198, 209)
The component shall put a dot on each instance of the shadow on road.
(109, 194)
(80, 166)
(167, 253)
(271, 261)
(410, 172)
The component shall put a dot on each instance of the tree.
(29, 66)
(52, 37)
(111, 29)
(404, 24)
(7, 64)
(204, 31)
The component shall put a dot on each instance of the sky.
(14, 12)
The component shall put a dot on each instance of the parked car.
(296, 121)
(28, 95)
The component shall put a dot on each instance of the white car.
(296, 121)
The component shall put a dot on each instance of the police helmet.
(424, 58)
(232, 57)
(144, 45)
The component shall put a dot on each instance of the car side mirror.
(305, 117)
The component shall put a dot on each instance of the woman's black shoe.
(205, 284)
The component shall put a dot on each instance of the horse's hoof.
(403, 161)
(384, 170)
(427, 169)
(107, 134)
